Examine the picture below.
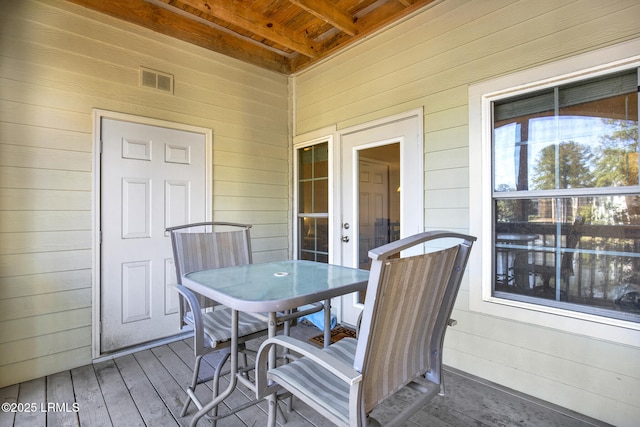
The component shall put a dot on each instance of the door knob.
(345, 239)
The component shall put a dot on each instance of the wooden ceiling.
(280, 35)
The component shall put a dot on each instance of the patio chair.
(195, 249)
(407, 308)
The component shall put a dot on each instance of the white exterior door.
(355, 200)
(151, 178)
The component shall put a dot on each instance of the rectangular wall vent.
(156, 80)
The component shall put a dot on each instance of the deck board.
(89, 397)
(121, 406)
(60, 401)
(147, 388)
(31, 393)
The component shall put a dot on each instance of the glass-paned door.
(313, 202)
(380, 194)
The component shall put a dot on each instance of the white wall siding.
(58, 62)
(429, 61)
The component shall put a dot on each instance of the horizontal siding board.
(447, 159)
(224, 173)
(269, 230)
(250, 162)
(31, 136)
(447, 198)
(46, 283)
(44, 179)
(30, 199)
(44, 345)
(45, 158)
(36, 305)
(51, 241)
(446, 178)
(447, 218)
(260, 257)
(273, 148)
(446, 139)
(446, 119)
(255, 217)
(33, 115)
(38, 367)
(269, 244)
(35, 326)
(242, 189)
(223, 203)
(22, 264)
(31, 221)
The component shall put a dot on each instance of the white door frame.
(413, 187)
(98, 115)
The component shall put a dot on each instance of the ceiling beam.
(163, 21)
(326, 11)
(253, 22)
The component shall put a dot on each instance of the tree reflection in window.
(562, 156)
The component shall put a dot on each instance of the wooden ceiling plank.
(326, 11)
(385, 14)
(255, 23)
(163, 21)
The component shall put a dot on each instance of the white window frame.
(319, 136)
(592, 64)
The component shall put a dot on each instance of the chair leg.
(192, 387)
(216, 383)
(217, 370)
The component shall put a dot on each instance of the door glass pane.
(313, 236)
(378, 200)
(313, 203)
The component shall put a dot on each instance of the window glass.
(313, 203)
(567, 197)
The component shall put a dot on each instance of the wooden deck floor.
(146, 388)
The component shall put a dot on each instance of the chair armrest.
(337, 367)
(196, 314)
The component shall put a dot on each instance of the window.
(565, 196)
(313, 202)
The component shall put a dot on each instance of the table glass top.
(276, 281)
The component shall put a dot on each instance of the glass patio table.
(274, 288)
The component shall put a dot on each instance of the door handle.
(345, 239)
